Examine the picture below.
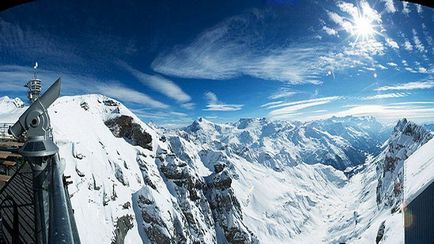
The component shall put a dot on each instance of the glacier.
(251, 181)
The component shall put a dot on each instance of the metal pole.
(60, 220)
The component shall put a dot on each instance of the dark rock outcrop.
(189, 192)
(226, 209)
(380, 232)
(123, 225)
(406, 138)
(124, 126)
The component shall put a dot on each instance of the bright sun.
(364, 22)
(363, 27)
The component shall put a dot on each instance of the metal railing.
(4, 127)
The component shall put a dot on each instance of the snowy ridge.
(250, 181)
(10, 108)
(339, 142)
(418, 172)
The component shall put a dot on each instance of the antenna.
(34, 86)
(35, 75)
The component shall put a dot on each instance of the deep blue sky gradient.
(99, 46)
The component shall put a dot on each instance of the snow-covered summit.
(9, 107)
(340, 142)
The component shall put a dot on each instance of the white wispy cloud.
(384, 96)
(387, 113)
(408, 86)
(380, 66)
(417, 43)
(390, 7)
(159, 84)
(405, 8)
(189, 106)
(292, 109)
(271, 104)
(392, 64)
(411, 70)
(391, 43)
(427, 34)
(221, 53)
(282, 94)
(419, 8)
(329, 31)
(29, 43)
(215, 56)
(408, 46)
(422, 70)
(215, 105)
(120, 92)
(12, 79)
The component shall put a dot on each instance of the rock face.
(406, 138)
(123, 126)
(226, 209)
(208, 210)
(123, 225)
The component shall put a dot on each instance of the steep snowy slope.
(373, 209)
(278, 206)
(418, 171)
(248, 181)
(286, 199)
(125, 173)
(128, 186)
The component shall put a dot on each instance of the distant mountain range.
(254, 180)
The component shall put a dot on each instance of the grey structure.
(419, 218)
(34, 86)
(54, 221)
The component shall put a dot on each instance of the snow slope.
(248, 181)
(419, 168)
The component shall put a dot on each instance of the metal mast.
(34, 86)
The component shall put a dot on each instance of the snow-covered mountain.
(339, 142)
(245, 182)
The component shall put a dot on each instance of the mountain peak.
(409, 128)
(401, 124)
(406, 138)
(200, 124)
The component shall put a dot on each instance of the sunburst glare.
(364, 23)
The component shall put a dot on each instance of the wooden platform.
(8, 160)
(8, 163)
(11, 143)
(4, 178)
(4, 154)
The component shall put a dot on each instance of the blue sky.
(174, 61)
